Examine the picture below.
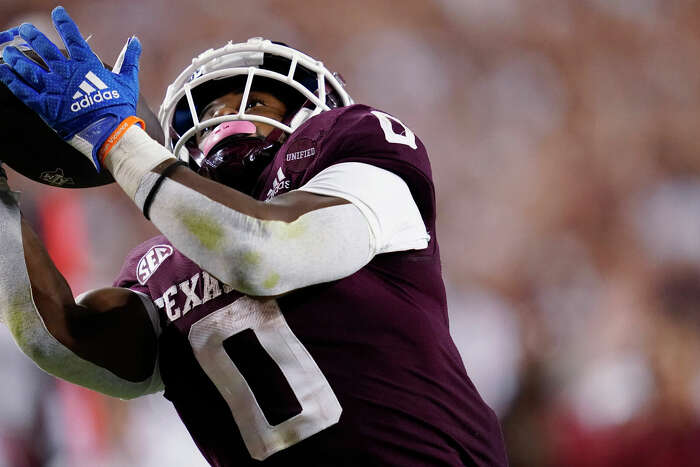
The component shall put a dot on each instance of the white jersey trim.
(383, 198)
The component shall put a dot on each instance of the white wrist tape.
(19, 313)
(134, 156)
(259, 257)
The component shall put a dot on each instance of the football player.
(293, 309)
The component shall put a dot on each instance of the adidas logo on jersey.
(278, 184)
(92, 95)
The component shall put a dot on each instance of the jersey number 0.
(319, 406)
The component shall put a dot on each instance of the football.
(33, 149)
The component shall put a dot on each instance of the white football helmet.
(258, 64)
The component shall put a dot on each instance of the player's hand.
(78, 97)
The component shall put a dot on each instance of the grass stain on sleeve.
(297, 228)
(289, 230)
(15, 322)
(271, 281)
(17, 318)
(252, 258)
(208, 231)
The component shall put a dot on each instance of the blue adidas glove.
(78, 97)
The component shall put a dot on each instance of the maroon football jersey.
(358, 371)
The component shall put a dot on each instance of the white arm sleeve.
(382, 197)
(262, 257)
(19, 313)
(267, 258)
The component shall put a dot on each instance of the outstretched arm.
(260, 249)
(256, 248)
(106, 342)
(299, 239)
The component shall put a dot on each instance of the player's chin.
(222, 165)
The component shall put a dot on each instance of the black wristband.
(156, 186)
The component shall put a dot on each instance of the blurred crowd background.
(565, 147)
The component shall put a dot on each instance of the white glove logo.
(102, 93)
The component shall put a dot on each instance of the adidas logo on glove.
(92, 95)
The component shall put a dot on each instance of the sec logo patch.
(151, 261)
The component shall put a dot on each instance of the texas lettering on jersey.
(358, 371)
(187, 291)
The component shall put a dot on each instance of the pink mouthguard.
(225, 130)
